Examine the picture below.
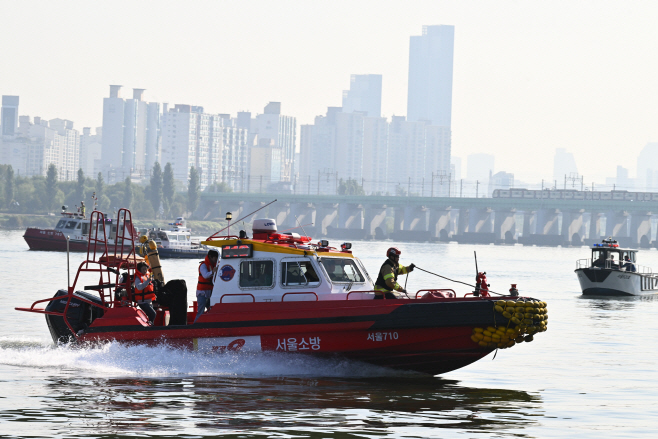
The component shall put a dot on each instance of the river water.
(591, 375)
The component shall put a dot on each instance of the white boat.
(614, 271)
(176, 242)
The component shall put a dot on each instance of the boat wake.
(118, 360)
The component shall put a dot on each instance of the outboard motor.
(80, 315)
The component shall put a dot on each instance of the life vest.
(204, 284)
(380, 284)
(146, 293)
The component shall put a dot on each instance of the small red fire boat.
(280, 292)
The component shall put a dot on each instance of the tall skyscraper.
(430, 75)
(9, 115)
(564, 164)
(364, 95)
(131, 134)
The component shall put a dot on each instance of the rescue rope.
(457, 281)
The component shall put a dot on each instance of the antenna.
(300, 225)
(238, 220)
(476, 263)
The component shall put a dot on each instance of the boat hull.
(607, 282)
(429, 336)
(53, 240)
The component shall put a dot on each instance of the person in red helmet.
(387, 280)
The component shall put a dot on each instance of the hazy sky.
(529, 76)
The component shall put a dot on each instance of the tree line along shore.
(36, 201)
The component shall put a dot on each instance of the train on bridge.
(572, 194)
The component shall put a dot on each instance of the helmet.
(393, 252)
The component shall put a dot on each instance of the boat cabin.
(177, 237)
(608, 255)
(274, 267)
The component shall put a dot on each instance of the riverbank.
(9, 221)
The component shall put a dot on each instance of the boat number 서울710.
(382, 336)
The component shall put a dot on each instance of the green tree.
(128, 193)
(100, 185)
(80, 187)
(169, 187)
(219, 187)
(9, 185)
(193, 191)
(350, 187)
(156, 187)
(51, 186)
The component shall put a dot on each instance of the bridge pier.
(301, 214)
(326, 215)
(641, 229)
(529, 223)
(280, 212)
(251, 206)
(616, 227)
(350, 216)
(440, 225)
(462, 222)
(374, 222)
(546, 228)
(572, 225)
(505, 226)
(415, 218)
(480, 227)
(594, 235)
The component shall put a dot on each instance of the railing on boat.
(611, 265)
(99, 260)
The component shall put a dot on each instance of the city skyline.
(528, 78)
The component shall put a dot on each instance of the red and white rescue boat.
(280, 292)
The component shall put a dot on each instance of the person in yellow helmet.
(387, 280)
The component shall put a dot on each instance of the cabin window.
(342, 270)
(256, 274)
(78, 226)
(163, 236)
(71, 225)
(60, 224)
(298, 273)
(85, 228)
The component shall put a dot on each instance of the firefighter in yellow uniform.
(387, 280)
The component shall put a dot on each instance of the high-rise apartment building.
(9, 115)
(131, 134)
(364, 95)
(90, 151)
(375, 154)
(318, 155)
(212, 143)
(430, 75)
(283, 131)
(35, 146)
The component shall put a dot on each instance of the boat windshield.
(60, 224)
(608, 258)
(342, 270)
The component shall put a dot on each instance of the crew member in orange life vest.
(144, 295)
(207, 270)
